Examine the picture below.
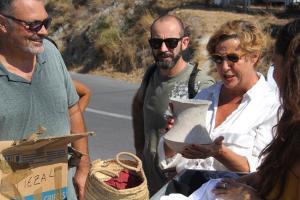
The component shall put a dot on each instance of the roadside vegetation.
(111, 37)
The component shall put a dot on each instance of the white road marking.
(101, 112)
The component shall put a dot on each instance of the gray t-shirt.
(156, 103)
(43, 101)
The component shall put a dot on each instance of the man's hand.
(138, 122)
(203, 151)
(170, 119)
(80, 176)
(78, 126)
(170, 123)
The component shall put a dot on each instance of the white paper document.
(203, 193)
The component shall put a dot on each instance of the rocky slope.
(110, 37)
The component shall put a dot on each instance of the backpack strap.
(147, 77)
(191, 85)
(51, 40)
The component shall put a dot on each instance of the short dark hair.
(183, 30)
(5, 5)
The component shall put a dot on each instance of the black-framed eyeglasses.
(171, 43)
(232, 57)
(34, 26)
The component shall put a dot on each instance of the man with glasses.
(35, 84)
(169, 76)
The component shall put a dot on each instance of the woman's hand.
(229, 189)
(253, 179)
(203, 151)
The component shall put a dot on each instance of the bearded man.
(170, 76)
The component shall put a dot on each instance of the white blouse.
(247, 130)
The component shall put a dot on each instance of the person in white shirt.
(244, 107)
(270, 78)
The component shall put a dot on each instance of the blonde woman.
(278, 176)
(244, 106)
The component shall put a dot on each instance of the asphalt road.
(108, 115)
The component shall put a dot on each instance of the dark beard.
(167, 65)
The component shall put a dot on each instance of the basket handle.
(139, 162)
(108, 172)
(97, 167)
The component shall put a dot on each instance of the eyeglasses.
(232, 57)
(34, 26)
(171, 43)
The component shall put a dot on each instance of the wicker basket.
(103, 170)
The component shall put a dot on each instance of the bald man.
(169, 76)
(36, 86)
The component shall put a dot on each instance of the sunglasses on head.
(171, 43)
(232, 57)
(34, 26)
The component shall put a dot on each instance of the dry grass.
(111, 38)
(60, 11)
(204, 23)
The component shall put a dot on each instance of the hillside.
(111, 37)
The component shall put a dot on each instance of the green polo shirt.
(25, 105)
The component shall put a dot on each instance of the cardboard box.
(35, 168)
